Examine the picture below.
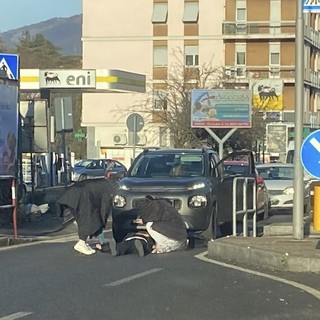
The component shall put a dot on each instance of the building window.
(160, 100)
(191, 12)
(160, 56)
(274, 59)
(160, 13)
(275, 16)
(163, 136)
(241, 11)
(241, 15)
(241, 24)
(191, 55)
(240, 60)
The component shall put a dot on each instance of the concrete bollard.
(316, 208)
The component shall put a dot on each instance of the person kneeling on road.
(164, 224)
(90, 203)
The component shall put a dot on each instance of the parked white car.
(278, 178)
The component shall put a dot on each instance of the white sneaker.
(83, 248)
(90, 248)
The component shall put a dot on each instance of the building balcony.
(286, 73)
(258, 30)
(312, 37)
(312, 78)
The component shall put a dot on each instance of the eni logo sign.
(67, 78)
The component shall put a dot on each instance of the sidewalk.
(38, 226)
(276, 249)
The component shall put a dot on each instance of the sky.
(20, 13)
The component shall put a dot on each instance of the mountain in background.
(64, 33)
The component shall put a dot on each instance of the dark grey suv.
(192, 179)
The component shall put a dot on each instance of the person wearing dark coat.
(90, 204)
(164, 224)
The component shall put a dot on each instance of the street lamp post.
(298, 231)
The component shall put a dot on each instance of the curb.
(221, 249)
(286, 229)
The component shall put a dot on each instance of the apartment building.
(252, 40)
(259, 38)
(140, 36)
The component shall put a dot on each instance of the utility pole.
(298, 228)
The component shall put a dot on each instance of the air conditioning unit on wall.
(119, 139)
(229, 72)
(142, 140)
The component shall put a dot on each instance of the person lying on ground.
(133, 243)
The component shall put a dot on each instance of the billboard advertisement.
(277, 138)
(221, 108)
(267, 94)
(8, 128)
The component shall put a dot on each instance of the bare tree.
(168, 105)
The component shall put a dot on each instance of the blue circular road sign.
(310, 154)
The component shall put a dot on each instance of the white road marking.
(17, 315)
(136, 276)
(48, 239)
(315, 143)
(314, 292)
(38, 241)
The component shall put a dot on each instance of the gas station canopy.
(82, 80)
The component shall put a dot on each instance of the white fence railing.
(248, 207)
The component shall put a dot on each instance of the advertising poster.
(277, 138)
(219, 108)
(8, 129)
(267, 95)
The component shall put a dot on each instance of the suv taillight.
(259, 180)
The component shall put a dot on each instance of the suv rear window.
(168, 165)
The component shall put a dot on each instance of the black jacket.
(166, 219)
(90, 202)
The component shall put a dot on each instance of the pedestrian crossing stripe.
(5, 67)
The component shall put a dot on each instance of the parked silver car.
(278, 178)
(97, 168)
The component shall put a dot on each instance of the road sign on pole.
(310, 154)
(135, 123)
(9, 63)
(312, 6)
(63, 114)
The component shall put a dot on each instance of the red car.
(236, 167)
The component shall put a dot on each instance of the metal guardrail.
(243, 183)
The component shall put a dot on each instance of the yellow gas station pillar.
(316, 208)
